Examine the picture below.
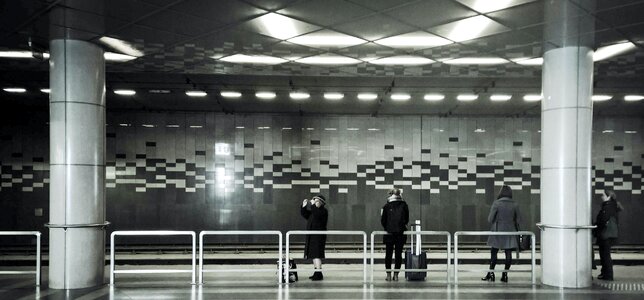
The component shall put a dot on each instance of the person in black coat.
(316, 217)
(610, 209)
(394, 217)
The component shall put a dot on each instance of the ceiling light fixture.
(405, 60)
(125, 92)
(253, 59)
(333, 96)
(46, 91)
(121, 46)
(479, 130)
(280, 27)
(476, 61)
(418, 39)
(400, 97)
(630, 131)
(299, 95)
(265, 95)
(466, 29)
(434, 97)
(230, 94)
(500, 98)
(486, 6)
(610, 51)
(608, 131)
(118, 57)
(159, 91)
(467, 97)
(600, 98)
(537, 61)
(16, 54)
(196, 93)
(532, 98)
(353, 129)
(328, 60)
(631, 98)
(367, 96)
(14, 90)
(327, 38)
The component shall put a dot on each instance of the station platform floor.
(628, 284)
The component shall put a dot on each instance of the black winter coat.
(316, 219)
(609, 209)
(398, 236)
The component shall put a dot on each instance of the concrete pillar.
(566, 130)
(77, 155)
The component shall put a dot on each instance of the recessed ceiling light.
(121, 46)
(265, 95)
(328, 60)
(613, 50)
(599, 98)
(279, 26)
(16, 54)
(287, 128)
(417, 39)
(330, 129)
(159, 91)
(196, 126)
(537, 61)
(479, 130)
(467, 97)
(499, 98)
(196, 93)
(14, 90)
(125, 92)
(299, 95)
(124, 124)
(353, 129)
(373, 129)
(476, 61)
(400, 97)
(434, 97)
(148, 125)
(469, 28)
(630, 131)
(327, 38)
(633, 98)
(406, 60)
(532, 98)
(230, 94)
(172, 126)
(111, 56)
(367, 96)
(254, 59)
(333, 96)
(608, 131)
(46, 91)
(240, 127)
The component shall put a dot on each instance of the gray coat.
(504, 216)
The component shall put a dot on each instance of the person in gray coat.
(504, 216)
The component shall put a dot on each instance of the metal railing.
(152, 233)
(38, 255)
(543, 227)
(240, 232)
(505, 233)
(439, 233)
(329, 232)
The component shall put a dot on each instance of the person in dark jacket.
(316, 217)
(504, 216)
(394, 217)
(610, 209)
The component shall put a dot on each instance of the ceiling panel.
(520, 16)
(379, 5)
(374, 27)
(623, 16)
(147, 36)
(230, 11)
(501, 41)
(271, 5)
(318, 12)
(469, 28)
(426, 14)
(181, 23)
(491, 6)
(610, 4)
(371, 50)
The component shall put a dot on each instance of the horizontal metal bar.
(239, 232)
(411, 270)
(493, 233)
(543, 226)
(489, 270)
(104, 224)
(327, 270)
(237, 270)
(151, 271)
(329, 232)
(152, 232)
(18, 272)
(36, 233)
(441, 233)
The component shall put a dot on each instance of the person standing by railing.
(607, 231)
(316, 216)
(504, 216)
(394, 217)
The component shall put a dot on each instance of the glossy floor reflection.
(629, 284)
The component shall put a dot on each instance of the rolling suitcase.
(415, 258)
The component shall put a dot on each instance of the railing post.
(38, 260)
(372, 253)
(287, 264)
(112, 258)
(533, 258)
(280, 262)
(449, 246)
(456, 258)
(364, 257)
(201, 257)
(194, 253)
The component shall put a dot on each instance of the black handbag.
(525, 242)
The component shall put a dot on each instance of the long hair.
(505, 192)
(610, 194)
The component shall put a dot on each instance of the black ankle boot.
(488, 277)
(317, 276)
(504, 277)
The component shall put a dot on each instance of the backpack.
(395, 217)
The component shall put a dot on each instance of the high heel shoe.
(488, 277)
(504, 277)
(388, 278)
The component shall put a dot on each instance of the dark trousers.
(604, 257)
(508, 258)
(389, 250)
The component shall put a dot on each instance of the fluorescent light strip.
(434, 97)
(196, 93)
(400, 97)
(630, 131)
(230, 94)
(532, 98)
(333, 96)
(600, 98)
(467, 97)
(353, 129)
(500, 98)
(476, 61)
(240, 127)
(46, 91)
(121, 46)
(328, 60)
(631, 98)
(16, 54)
(403, 60)
(172, 126)
(14, 90)
(417, 39)
(537, 61)
(608, 131)
(606, 52)
(125, 92)
(367, 96)
(265, 95)
(327, 38)
(111, 56)
(467, 29)
(299, 95)
(479, 130)
(254, 59)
